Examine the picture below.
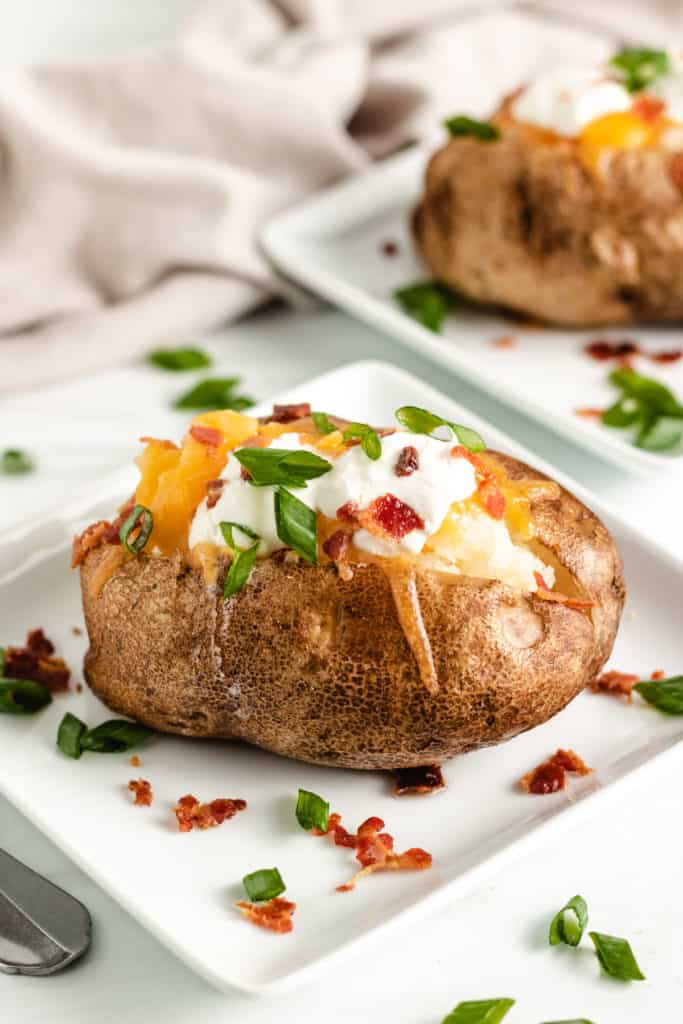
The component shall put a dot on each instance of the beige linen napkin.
(132, 190)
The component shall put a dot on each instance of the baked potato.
(365, 651)
(567, 217)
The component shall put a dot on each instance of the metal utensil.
(42, 928)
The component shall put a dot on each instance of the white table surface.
(493, 942)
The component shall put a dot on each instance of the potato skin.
(523, 223)
(315, 668)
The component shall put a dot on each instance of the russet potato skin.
(525, 224)
(311, 667)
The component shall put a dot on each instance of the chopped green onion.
(569, 923)
(624, 413)
(616, 957)
(479, 1011)
(420, 421)
(71, 731)
(13, 462)
(648, 405)
(114, 736)
(22, 696)
(273, 466)
(654, 395)
(428, 302)
(323, 424)
(369, 439)
(227, 528)
(179, 359)
(463, 125)
(664, 694)
(214, 393)
(640, 67)
(240, 570)
(665, 434)
(312, 811)
(140, 517)
(297, 525)
(264, 884)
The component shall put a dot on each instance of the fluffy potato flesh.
(529, 223)
(311, 666)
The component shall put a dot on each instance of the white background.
(492, 943)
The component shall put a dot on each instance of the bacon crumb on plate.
(374, 849)
(504, 341)
(551, 775)
(616, 684)
(190, 813)
(135, 761)
(143, 792)
(275, 914)
(418, 781)
(76, 631)
(37, 661)
(658, 674)
(589, 412)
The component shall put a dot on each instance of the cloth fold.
(132, 190)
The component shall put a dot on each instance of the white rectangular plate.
(333, 244)
(183, 886)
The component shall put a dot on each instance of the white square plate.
(183, 886)
(332, 244)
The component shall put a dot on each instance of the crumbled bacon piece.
(191, 813)
(143, 792)
(617, 684)
(135, 761)
(161, 441)
(671, 355)
(36, 661)
(275, 914)
(390, 248)
(374, 849)
(488, 492)
(505, 341)
(102, 532)
(493, 500)
(550, 595)
(206, 435)
(76, 631)
(214, 489)
(551, 776)
(589, 412)
(288, 413)
(602, 349)
(348, 512)
(658, 674)
(419, 781)
(408, 461)
(337, 545)
(390, 517)
(648, 108)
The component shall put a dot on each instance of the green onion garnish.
(13, 461)
(140, 517)
(22, 696)
(479, 1011)
(215, 393)
(111, 737)
(640, 67)
(69, 735)
(650, 407)
(369, 439)
(296, 524)
(312, 811)
(463, 125)
(569, 923)
(664, 694)
(616, 957)
(323, 424)
(428, 302)
(273, 466)
(243, 559)
(420, 421)
(179, 359)
(264, 884)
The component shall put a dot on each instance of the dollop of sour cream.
(483, 546)
(568, 98)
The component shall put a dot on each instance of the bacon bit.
(214, 489)
(551, 776)
(489, 494)
(101, 532)
(408, 461)
(374, 849)
(275, 914)
(76, 631)
(589, 413)
(390, 517)
(658, 674)
(161, 441)
(494, 501)
(616, 684)
(206, 435)
(648, 108)
(337, 545)
(36, 661)
(143, 792)
(505, 341)
(624, 350)
(348, 512)
(551, 595)
(288, 413)
(667, 355)
(190, 812)
(135, 761)
(418, 781)
(390, 248)
(79, 687)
